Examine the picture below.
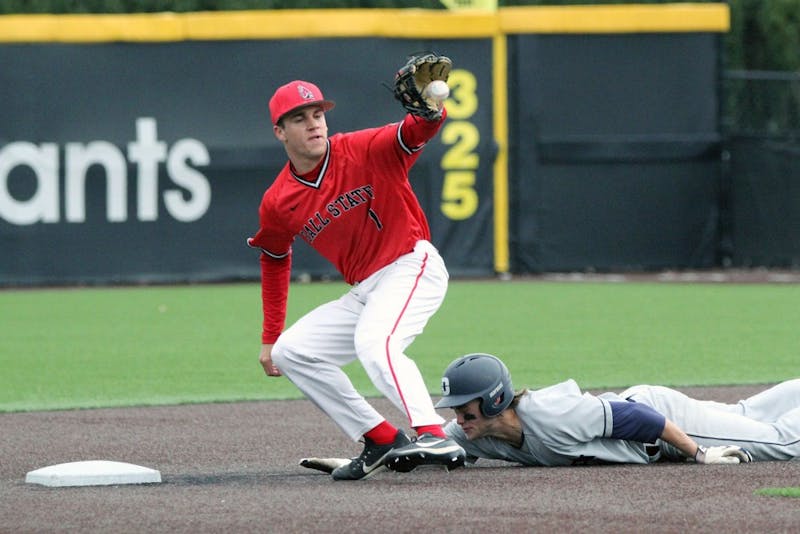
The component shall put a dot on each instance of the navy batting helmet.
(477, 376)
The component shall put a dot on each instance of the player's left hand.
(412, 78)
(723, 454)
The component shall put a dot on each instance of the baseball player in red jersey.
(349, 197)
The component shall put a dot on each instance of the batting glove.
(723, 454)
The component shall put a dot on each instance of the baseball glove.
(412, 78)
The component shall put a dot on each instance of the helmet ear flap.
(492, 405)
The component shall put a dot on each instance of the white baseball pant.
(375, 322)
(766, 424)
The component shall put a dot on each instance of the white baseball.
(437, 90)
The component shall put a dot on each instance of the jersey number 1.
(375, 219)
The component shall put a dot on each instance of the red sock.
(435, 430)
(383, 434)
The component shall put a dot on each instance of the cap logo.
(305, 92)
(445, 386)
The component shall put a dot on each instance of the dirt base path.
(233, 468)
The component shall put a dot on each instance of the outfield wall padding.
(135, 148)
(616, 157)
(132, 162)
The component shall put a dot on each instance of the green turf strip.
(90, 347)
(779, 492)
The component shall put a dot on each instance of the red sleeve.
(275, 275)
(416, 131)
(276, 268)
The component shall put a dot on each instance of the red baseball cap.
(294, 95)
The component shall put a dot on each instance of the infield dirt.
(233, 468)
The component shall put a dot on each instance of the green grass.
(90, 347)
(793, 492)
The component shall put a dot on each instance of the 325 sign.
(461, 136)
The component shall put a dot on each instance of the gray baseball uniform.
(564, 426)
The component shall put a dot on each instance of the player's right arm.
(275, 274)
(638, 422)
(276, 266)
(676, 437)
(265, 358)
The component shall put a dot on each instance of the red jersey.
(357, 209)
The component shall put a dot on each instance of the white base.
(92, 473)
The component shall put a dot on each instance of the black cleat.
(427, 449)
(371, 461)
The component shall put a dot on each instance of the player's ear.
(277, 129)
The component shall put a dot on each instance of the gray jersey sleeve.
(561, 426)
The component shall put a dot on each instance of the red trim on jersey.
(394, 329)
(413, 133)
(320, 169)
